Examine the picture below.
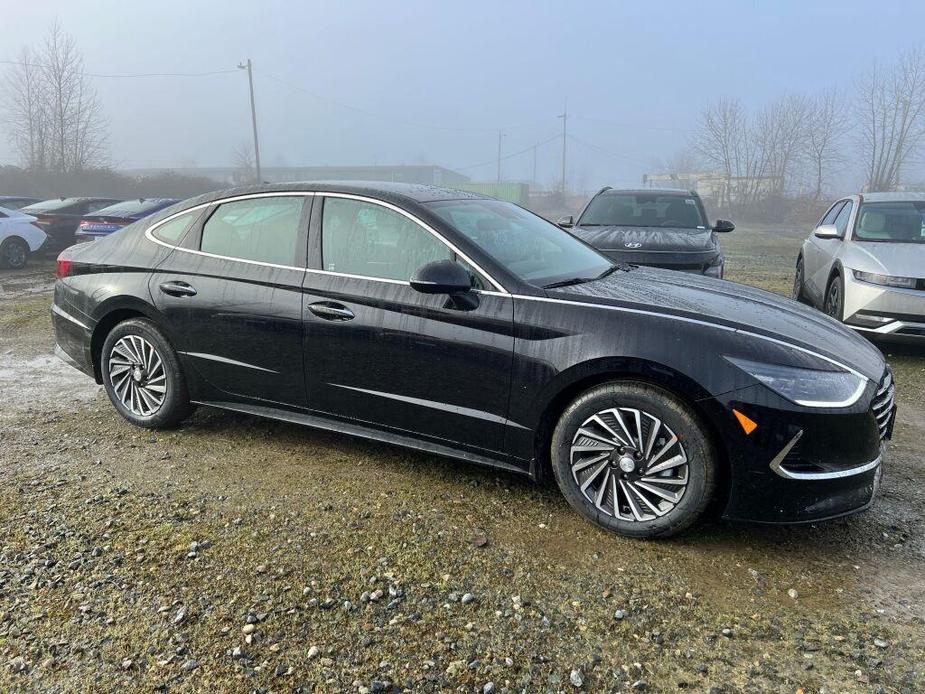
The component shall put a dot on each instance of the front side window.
(530, 247)
(172, 232)
(362, 238)
(643, 210)
(891, 222)
(841, 221)
(264, 230)
(832, 213)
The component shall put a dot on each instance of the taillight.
(63, 268)
(85, 223)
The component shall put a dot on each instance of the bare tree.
(781, 130)
(729, 142)
(891, 113)
(26, 111)
(76, 125)
(826, 128)
(54, 116)
(245, 167)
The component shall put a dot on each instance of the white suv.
(864, 264)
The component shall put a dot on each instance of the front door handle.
(330, 310)
(177, 289)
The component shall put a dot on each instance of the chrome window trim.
(350, 196)
(626, 309)
(149, 232)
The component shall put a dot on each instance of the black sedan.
(468, 327)
(59, 217)
(659, 228)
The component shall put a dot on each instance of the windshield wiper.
(568, 282)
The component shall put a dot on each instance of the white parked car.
(19, 238)
(864, 264)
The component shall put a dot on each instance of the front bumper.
(884, 312)
(801, 465)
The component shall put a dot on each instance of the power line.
(507, 156)
(607, 152)
(120, 76)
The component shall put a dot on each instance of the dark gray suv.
(660, 228)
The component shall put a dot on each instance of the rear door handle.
(330, 310)
(177, 289)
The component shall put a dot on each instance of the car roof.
(649, 191)
(397, 193)
(892, 197)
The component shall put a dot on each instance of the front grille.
(883, 404)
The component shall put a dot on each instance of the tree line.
(796, 143)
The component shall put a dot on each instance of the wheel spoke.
(597, 437)
(674, 461)
(593, 475)
(632, 504)
(579, 466)
(606, 427)
(651, 488)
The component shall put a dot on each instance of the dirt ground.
(238, 554)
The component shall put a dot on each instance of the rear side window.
(361, 238)
(264, 230)
(172, 232)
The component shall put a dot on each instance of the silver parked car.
(864, 264)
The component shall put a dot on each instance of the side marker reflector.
(748, 425)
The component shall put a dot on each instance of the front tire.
(634, 459)
(14, 254)
(142, 376)
(798, 293)
(835, 298)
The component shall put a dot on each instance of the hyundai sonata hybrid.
(467, 327)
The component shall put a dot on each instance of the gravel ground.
(238, 554)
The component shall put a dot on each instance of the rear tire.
(657, 486)
(14, 254)
(143, 377)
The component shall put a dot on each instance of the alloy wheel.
(629, 464)
(137, 374)
(14, 254)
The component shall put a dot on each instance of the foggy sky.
(439, 78)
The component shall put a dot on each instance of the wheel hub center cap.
(138, 374)
(627, 464)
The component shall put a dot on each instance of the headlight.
(807, 387)
(885, 280)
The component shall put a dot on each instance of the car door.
(231, 294)
(816, 263)
(379, 352)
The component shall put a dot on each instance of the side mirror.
(723, 226)
(826, 231)
(442, 277)
(566, 222)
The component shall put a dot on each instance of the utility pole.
(500, 137)
(564, 118)
(250, 82)
(533, 179)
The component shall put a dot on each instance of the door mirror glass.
(826, 231)
(442, 277)
(566, 222)
(723, 226)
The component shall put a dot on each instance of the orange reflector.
(747, 424)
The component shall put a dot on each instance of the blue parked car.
(109, 219)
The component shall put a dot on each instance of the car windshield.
(51, 205)
(643, 210)
(891, 222)
(530, 247)
(133, 207)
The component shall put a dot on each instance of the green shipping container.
(512, 192)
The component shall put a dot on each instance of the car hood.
(733, 305)
(899, 259)
(649, 238)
